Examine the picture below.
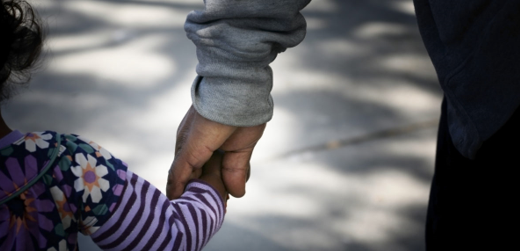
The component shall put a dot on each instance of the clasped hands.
(197, 140)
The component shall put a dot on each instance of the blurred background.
(347, 160)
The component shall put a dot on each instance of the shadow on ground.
(362, 68)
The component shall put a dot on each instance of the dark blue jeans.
(474, 203)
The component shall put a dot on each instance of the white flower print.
(60, 199)
(62, 246)
(34, 139)
(88, 227)
(90, 177)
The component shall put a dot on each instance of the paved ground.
(344, 165)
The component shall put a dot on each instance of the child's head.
(21, 40)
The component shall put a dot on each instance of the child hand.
(211, 174)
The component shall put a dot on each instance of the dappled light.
(119, 73)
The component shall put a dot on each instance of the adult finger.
(235, 165)
(199, 140)
(235, 171)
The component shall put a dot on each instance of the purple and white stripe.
(146, 220)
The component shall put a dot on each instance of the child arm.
(122, 211)
(146, 220)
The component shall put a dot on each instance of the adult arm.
(236, 41)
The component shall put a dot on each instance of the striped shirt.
(74, 185)
(152, 222)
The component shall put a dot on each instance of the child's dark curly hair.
(21, 40)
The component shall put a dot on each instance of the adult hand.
(198, 138)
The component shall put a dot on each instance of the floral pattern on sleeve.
(78, 192)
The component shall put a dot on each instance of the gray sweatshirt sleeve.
(236, 41)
